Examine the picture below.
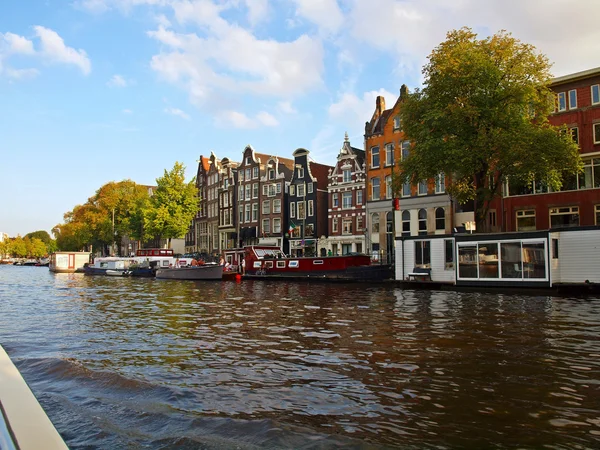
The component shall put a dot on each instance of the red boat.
(271, 262)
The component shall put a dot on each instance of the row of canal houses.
(308, 208)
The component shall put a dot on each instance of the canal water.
(161, 364)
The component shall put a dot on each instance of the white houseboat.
(68, 262)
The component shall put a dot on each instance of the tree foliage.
(172, 206)
(481, 117)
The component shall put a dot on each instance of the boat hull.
(371, 273)
(207, 272)
(108, 272)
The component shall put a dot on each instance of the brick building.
(525, 207)
(347, 202)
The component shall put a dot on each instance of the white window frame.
(359, 197)
(254, 212)
(248, 188)
(346, 176)
(255, 190)
(292, 210)
(300, 191)
(389, 154)
(276, 225)
(359, 223)
(405, 150)
(347, 225)
(422, 188)
(375, 152)
(335, 200)
(572, 95)
(347, 200)
(266, 226)
(300, 172)
(397, 123)
(266, 207)
(309, 188)
(255, 172)
(373, 197)
(562, 211)
(311, 208)
(277, 206)
(265, 189)
(440, 183)
(561, 102)
(595, 92)
(292, 189)
(334, 225)
(301, 210)
(525, 214)
(388, 187)
(278, 188)
(247, 213)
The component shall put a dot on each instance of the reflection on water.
(122, 362)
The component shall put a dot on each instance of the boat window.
(165, 263)
(318, 261)
(268, 264)
(293, 264)
(256, 264)
(281, 264)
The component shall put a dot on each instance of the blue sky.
(93, 91)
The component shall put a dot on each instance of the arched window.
(422, 221)
(440, 219)
(375, 223)
(406, 223)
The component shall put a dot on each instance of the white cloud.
(13, 43)
(326, 14)
(117, 81)
(258, 10)
(127, 111)
(286, 107)
(355, 111)
(236, 119)
(20, 74)
(53, 48)
(177, 112)
(225, 60)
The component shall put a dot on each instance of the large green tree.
(481, 118)
(172, 206)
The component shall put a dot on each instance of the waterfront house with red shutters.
(347, 202)
(307, 206)
(274, 184)
(227, 193)
(198, 235)
(528, 207)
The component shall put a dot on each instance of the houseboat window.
(534, 260)
(449, 253)
(293, 264)
(564, 217)
(256, 264)
(318, 261)
(512, 264)
(488, 260)
(268, 264)
(422, 221)
(165, 263)
(526, 220)
(467, 261)
(281, 264)
(554, 248)
(406, 222)
(440, 219)
(422, 253)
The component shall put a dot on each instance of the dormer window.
(347, 175)
(397, 124)
(248, 160)
(300, 172)
(271, 174)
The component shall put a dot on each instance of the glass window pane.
(510, 257)
(488, 260)
(467, 261)
(534, 261)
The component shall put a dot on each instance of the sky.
(93, 91)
